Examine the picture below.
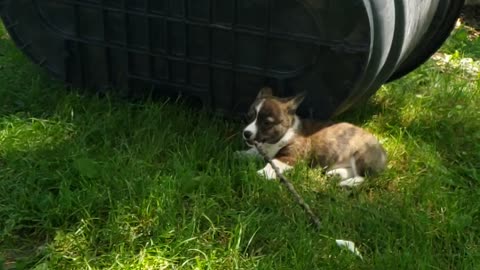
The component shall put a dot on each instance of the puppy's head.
(270, 117)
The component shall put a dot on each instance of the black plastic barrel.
(223, 51)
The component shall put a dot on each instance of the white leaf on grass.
(349, 245)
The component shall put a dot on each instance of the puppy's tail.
(372, 161)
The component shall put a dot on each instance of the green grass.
(103, 183)
(464, 39)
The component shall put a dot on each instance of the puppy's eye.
(269, 121)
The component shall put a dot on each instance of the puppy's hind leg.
(342, 172)
(352, 182)
(355, 179)
(342, 169)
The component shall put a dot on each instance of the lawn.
(104, 183)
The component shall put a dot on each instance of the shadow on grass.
(92, 159)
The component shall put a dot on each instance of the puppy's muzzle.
(248, 137)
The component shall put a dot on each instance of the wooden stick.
(290, 187)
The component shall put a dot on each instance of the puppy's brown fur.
(331, 145)
(289, 139)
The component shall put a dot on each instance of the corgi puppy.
(343, 149)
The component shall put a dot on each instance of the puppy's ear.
(265, 92)
(294, 102)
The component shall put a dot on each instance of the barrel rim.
(437, 42)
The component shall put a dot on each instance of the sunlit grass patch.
(29, 135)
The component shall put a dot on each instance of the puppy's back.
(337, 143)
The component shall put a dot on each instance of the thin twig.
(290, 187)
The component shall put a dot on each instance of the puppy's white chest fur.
(272, 149)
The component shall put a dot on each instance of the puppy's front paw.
(250, 153)
(268, 172)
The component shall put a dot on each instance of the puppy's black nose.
(247, 134)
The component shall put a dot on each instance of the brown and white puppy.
(344, 149)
